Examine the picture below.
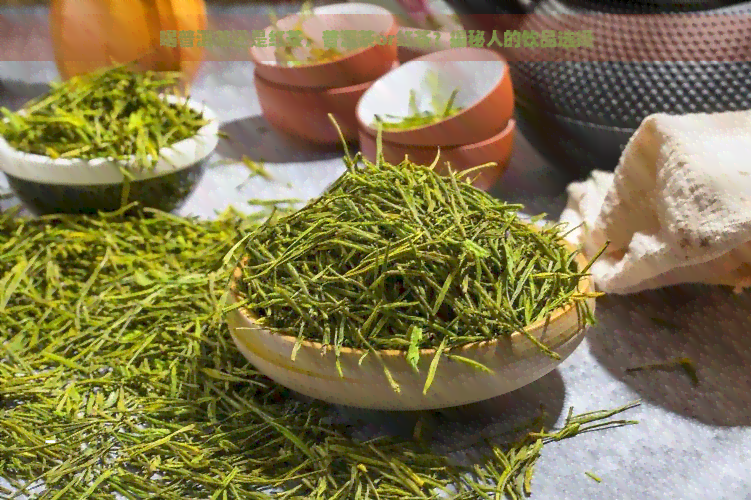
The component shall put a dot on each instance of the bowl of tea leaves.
(331, 46)
(447, 98)
(102, 140)
(402, 289)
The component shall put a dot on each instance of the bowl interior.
(389, 96)
(586, 284)
(353, 17)
(360, 381)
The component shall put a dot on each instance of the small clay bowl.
(360, 65)
(303, 112)
(515, 362)
(481, 78)
(497, 149)
(76, 186)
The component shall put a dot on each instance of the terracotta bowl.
(303, 112)
(515, 362)
(482, 79)
(497, 149)
(363, 64)
(76, 186)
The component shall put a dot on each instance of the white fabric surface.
(676, 210)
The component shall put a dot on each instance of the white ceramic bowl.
(79, 186)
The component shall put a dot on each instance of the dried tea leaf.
(413, 353)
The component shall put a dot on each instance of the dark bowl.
(580, 106)
(75, 186)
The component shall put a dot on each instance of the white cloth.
(676, 210)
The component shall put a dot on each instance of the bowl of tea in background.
(457, 101)
(446, 98)
(321, 63)
(50, 150)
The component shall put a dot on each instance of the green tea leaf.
(471, 362)
(434, 367)
(413, 353)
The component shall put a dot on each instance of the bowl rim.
(358, 87)
(581, 261)
(330, 9)
(508, 130)
(436, 57)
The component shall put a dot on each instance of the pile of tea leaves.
(114, 113)
(118, 380)
(400, 257)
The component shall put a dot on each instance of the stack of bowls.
(482, 132)
(298, 99)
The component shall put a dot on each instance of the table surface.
(692, 442)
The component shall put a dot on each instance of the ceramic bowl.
(481, 78)
(515, 362)
(303, 112)
(497, 149)
(360, 65)
(76, 186)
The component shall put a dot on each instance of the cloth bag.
(676, 210)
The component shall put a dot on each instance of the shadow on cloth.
(709, 325)
(255, 138)
(464, 432)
